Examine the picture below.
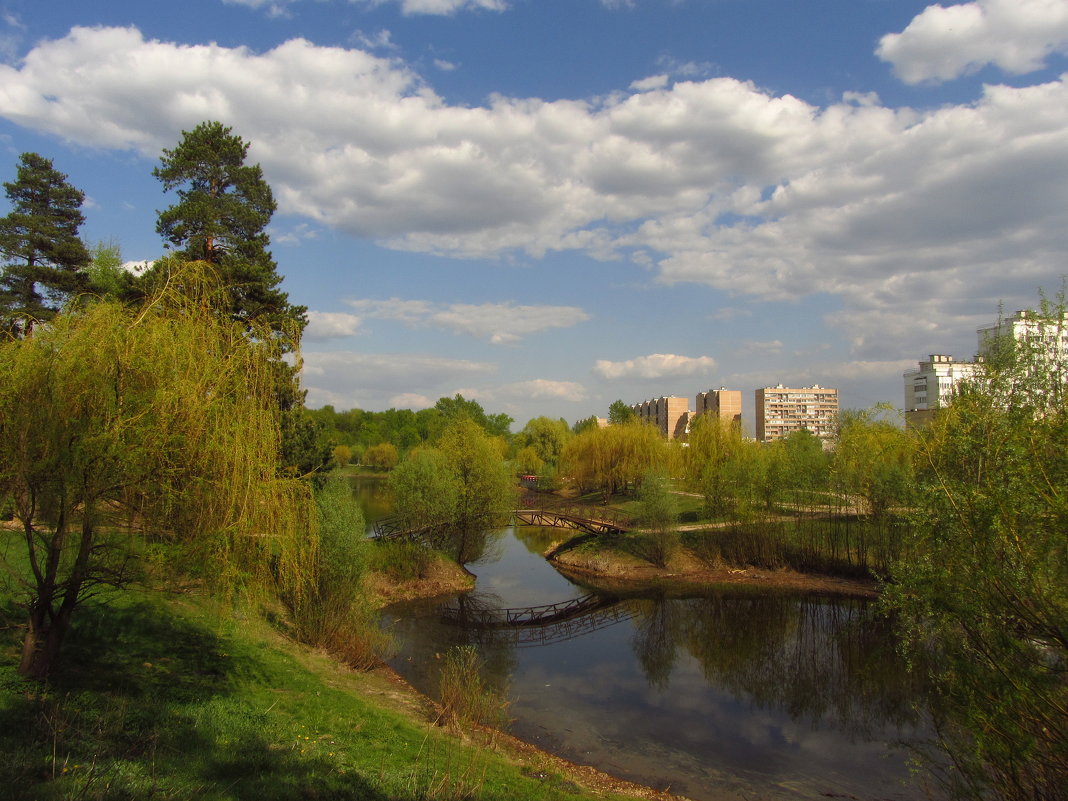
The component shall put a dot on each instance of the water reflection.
(729, 694)
(374, 496)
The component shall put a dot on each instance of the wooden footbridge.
(538, 625)
(397, 527)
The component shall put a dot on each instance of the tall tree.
(44, 260)
(164, 415)
(223, 209)
(619, 413)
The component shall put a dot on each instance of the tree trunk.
(40, 647)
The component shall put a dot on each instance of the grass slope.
(158, 699)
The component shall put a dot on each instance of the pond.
(726, 694)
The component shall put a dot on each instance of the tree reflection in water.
(818, 659)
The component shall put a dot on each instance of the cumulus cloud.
(945, 42)
(331, 325)
(499, 323)
(656, 365)
(717, 182)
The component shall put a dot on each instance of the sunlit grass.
(166, 698)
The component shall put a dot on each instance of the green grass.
(160, 699)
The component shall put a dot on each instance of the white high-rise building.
(930, 386)
(1026, 326)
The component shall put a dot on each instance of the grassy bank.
(829, 542)
(160, 697)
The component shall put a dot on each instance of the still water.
(729, 694)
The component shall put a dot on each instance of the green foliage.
(382, 456)
(162, 700)
(221, 216)
(620, 413)
(302, 452)
(658, 510)
(546, 437)
(107, 277)
(329, 609)
(872, 461)
(40, 246)
(464, 695)
(713, 444)
(581, 426)
(463, 487)
(984, 595)
(403, 428)
(456, 408)
(486, 486)
(162, 416)
(425, 489)
(342, 455)
(613, 459)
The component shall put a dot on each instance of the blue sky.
(547, 205)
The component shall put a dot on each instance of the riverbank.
(611, 569)
(169, 696)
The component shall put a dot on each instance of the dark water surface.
(732, 694)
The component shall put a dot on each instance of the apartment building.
(1049, 336)
(670, 415)
(930, 386)
(782, 410)
(724, 403)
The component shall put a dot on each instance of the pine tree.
(44, 260)
(223, 209)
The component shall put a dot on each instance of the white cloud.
(543, 389)
(410, 400)
(442, 7)
(443, 65)
(274, 8)
(656, 365)
(136, 267)
(503, 323)
(408, 7)
(412, 312)
(381, 40)
(499, 323)
(652, 82)
(331, 325)
(945, 42)
(348, 379)
(716, 182)
(766, 347)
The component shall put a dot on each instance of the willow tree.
(463, 488)
(713, 444)
(120, 426)
(615, 458)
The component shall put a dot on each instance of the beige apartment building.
(782, 410)
(670, 415)
(724, 403)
